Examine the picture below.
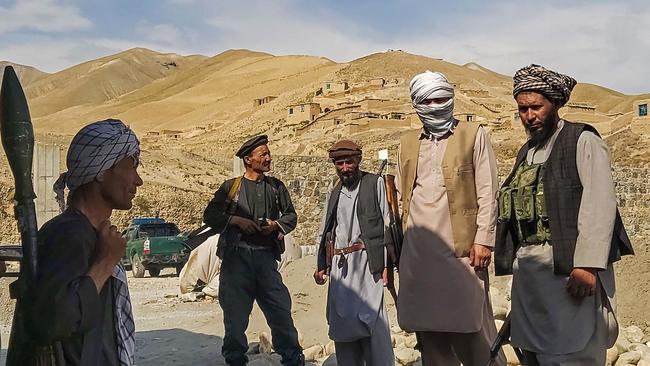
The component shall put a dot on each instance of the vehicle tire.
(179, 268)
(136, 266)
(154, 272)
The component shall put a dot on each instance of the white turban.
(438, 119)
(95, 149)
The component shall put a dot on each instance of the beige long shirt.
(546, 319)
(438, 291)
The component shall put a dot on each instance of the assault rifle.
(503, 337)
(395, 222)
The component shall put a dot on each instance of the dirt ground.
(173, 332)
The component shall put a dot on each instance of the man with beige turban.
(559, 231)
(447, 179)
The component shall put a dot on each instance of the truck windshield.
(160, 230)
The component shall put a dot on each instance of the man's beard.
(349, 179)
(540, 136)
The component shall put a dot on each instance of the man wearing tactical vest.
(352, 248)
(559, 231)
(447, 179)
(253, 213)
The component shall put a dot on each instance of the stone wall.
(309, 178)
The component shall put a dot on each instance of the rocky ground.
(181, 330)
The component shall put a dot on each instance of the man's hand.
(248, 226)
(110, 248)
(320, 277)
(270, 227)
(480, 256)
(582, 282)
(384, 276)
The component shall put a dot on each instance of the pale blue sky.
(605, 42)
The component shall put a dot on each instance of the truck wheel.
(154, 272)
(136, 266)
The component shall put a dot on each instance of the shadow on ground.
(169, 347)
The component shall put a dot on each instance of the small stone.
(631, 357)
(633, 334)
(499, 313)
(265, 343)
(253, 348)
(511, 356)
(410, 341)
(612, 356)
(622, 344)
(313, 353)
(640, 347)
(406, 356)
(190, 297)
(330, 348)
(330, 361)
(301, 339)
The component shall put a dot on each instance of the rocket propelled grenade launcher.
(18, 143)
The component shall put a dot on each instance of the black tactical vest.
(563, 192)
(371, 222)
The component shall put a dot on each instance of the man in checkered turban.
(82, 311)
(559, 231)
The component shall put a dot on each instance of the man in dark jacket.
(559, 231)
(81, 313)
(253, 213)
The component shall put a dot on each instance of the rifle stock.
(395, 220)
(503, 337)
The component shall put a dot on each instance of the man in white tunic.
(447, 180)
(355, 227)
(559, 231)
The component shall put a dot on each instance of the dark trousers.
(252, 275)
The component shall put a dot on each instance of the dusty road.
(173, 332)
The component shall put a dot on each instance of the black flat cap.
(251, 144)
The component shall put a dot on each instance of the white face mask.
(438, 119)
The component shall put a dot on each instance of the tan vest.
(458, 172)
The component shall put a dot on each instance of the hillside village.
(192, 113)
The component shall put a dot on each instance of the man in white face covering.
(447, 180)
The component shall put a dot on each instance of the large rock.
(626, 358)
(406, 356)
